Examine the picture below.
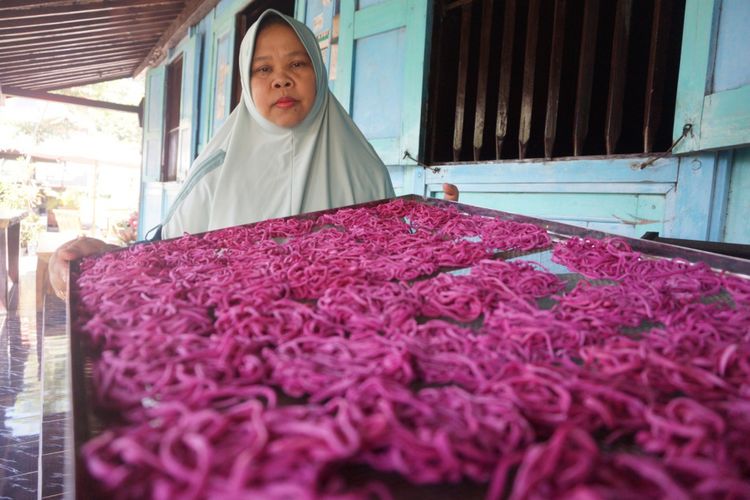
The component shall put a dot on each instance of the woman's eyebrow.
(293, 53)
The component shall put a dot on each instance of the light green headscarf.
(253, 170)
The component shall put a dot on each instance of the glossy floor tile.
(34, 402)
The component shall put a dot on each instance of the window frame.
(716, 120)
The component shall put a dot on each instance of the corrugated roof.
(57, 44)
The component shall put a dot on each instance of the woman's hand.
(59, 263)
(450, 192)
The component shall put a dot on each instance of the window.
(172, 121)
(515, 79)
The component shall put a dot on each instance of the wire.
(687, 129)
(434, 170)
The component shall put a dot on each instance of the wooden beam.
(585, 75)
(64, 33)
(72, 66)
(131, 14)
(434, 93)
(44, 59)
(484, 59)
(656, 65)
(120, 23)
(82, 45)
(194, 11)
(456, 4)
(31, 56)
(62, 82)
(553, 85)
(95, 67)
(463, 71)
(506, 67)
(529, 74)
(135, 33)
(80, 81)
(79, 5)
(72, 71)
(618, 74)
(47, 13)
(43, 82)
(80, 101)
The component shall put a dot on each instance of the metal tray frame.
(86, 424)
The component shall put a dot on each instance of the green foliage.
(24, 196)
(67, 198)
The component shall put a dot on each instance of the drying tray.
(87, 424)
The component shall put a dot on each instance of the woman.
(288, 147)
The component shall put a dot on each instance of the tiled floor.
(33, 394)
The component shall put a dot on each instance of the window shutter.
(189, 106)
(713, 92)
(153, 124)
(384, 98)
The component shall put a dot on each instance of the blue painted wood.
(713, 91)
(342, 89)
(169, 194)
(565, 187)
(418, 13)
(608, 194)
(604, 170)
(385, 16)
(701, 17)
(720, 195)
(627, 214)
(300, 9)
(377, 95)
(228, 8)
(204, 30)
(189, 105)
(693, 201)
(603, 193)
(397, 178)
(726, 118)
(731, 69)
(151, 207)
(363, 4)
(153, 130)
(737, 225)
(416, 178)
(392, 33)
(388, 149)
(222, 79)
(319, 18)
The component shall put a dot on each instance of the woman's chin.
(286, 118)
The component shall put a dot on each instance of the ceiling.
(57, 44)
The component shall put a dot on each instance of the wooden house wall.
(379, 76)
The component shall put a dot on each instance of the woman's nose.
(282, 82)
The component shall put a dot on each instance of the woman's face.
(282, 78)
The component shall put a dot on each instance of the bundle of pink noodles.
(265, 361)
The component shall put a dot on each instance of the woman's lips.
(285, 102)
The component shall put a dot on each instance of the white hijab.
(253, 170)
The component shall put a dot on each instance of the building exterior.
(389, 67)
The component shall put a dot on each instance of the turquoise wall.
(380, 78)
(737, 229)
